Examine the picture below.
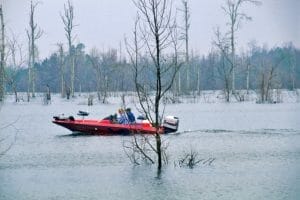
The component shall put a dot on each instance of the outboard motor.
(170, 124)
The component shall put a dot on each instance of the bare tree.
(2, 54)
(68, 21)
(156, 25)
(292, 71)
(290, 57)
(109, 63)
(3, 148)
(62, 69)
(198, 78)
(94, 58)
(265, 83)
(176, 60)
(268, 81)
(33, 34)
(191, 159)
(17, 60)
(245, 61)
(248, 65)
(225, 72)
(134, 52)
(104, 63)
(232, 10)
(185, 37)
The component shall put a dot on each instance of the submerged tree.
(225, 66)
(104, 64)
(268, 79)
(290, 57)
(68, 21)
(94, 58)
(33, 34)
(61, 55)
(232, 10)
(185, 37)
(16, 62)
(156, 26)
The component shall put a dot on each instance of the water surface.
(256, 147)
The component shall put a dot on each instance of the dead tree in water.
(17, 61)
(33, 34)
(191, 159)
(61, 62)
(248, 65)
(103, 64)
(94, 58)
(225, 67)
(232, 10)
(156, 26)
(268, 81)
(67, 19)
(185, 37)
(2, 54)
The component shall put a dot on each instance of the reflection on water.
(253, 160)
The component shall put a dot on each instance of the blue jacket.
(131, 117)
(123, 119)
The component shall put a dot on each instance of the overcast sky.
(104, 23)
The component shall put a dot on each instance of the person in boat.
(130, 116)
(113, 118)
(122, 119)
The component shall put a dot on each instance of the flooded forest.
(215, 119)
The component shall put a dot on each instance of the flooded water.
(256, 150)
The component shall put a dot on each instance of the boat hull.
(106, 127)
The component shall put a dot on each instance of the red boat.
(109, 127)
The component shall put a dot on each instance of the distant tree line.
(108, 71)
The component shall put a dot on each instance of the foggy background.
(105, 23)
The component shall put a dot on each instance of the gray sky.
(104, 23)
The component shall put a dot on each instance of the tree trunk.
(98, 75)
(29, 69)
(158, 149)
(198, 80)
(62, 71)
(158, 97)
(179, 83)
(16, 93)
(72, 75)
(262, 89)
(293, 76)
(247, 79)
(32, 50)
(67, 19)
(33, 34)
(233, 55)
(186, 33)
(2, 61)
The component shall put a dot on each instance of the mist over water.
(256, 150)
